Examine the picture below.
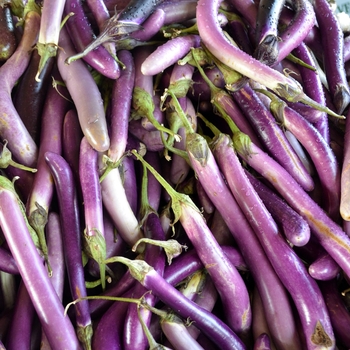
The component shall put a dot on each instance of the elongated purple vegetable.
(329, 234)
(333, 58)
(338, 312)
(214, 328)
(150, 27)
(294, 226)
(273, 293)
(259, 324)
(71, 139)
(8, 41)
(12, 128)
(134, 336)
(313, 87)
(57, 326)
(56, 258)
(290, 269)
(177, 12)
(266, 31)
(214, 39)
(297, 29)
(319, 151)
(345, 175)
(324, 268)
(19, 333)
(94, 238)
(272, 135)
(29, 97)
(8, 263)
(86, 96)
(42, 190)
(218, 266)
(177, 333)
(79, 29)
(115, 201)
(50, 23)
(109, 328)
(169, 53)
(71, 235)
(121, 24)
(121, 106)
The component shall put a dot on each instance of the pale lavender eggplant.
(333, 57)
(80, 31)
(121, 106)
(207, 322)
(338, 312)
(271, 135)
(289, 268)
(169, 53)
(220, 269)
(324, 268)
(115, 201)
(57, 326)
(273, 293)
(85, 95)
(19, 332)
(295, 228)
(71, 236)
(214, 39)
(177, 333)
(50, 23)
(12, 128)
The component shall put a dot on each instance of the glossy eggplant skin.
(8, 41)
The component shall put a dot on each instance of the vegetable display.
(174, 175)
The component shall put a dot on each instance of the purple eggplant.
(57, 326)
(85, 95)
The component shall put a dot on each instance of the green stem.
(171, 247)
